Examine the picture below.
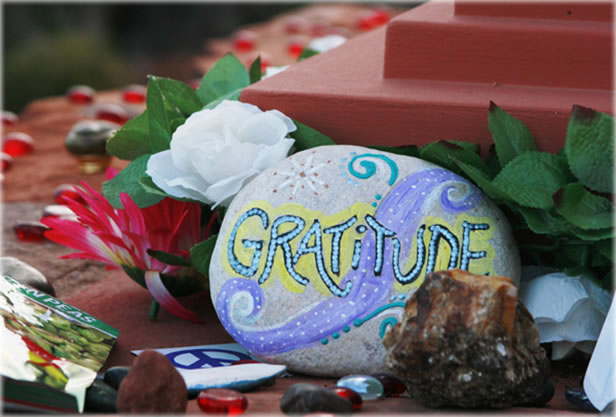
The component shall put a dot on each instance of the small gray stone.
(310, 398)
(25, 274)
(100, 398)
(114, 375)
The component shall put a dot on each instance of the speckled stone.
(310, 398)
(317, 255)
(25, 274)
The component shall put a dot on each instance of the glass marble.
(112, 113)
(350, 395)
(368, 387)
(222, 401)
(134, 93)
(80, 94)
(7, 162)
(66, 190)
(30, 231)
(392, 386)
(17, 144)
(86, 141)
(9, 118)
(244, 41)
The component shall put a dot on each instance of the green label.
(62, 308)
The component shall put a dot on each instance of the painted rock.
(317, 255)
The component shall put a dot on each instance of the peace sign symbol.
(204, 358)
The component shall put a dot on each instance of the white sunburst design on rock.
(304, 173)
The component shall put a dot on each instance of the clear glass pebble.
(369, 388)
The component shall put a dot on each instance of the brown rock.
(466, 340)
(152, 385)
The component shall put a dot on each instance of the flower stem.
(154, 307)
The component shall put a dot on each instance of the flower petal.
(270, 155)
(264, 128)
(172, 181)
(222, 192)
(165, 299)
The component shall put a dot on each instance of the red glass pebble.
(244, 41)
(392, 386)
(244, 361)
(194, 84)
(28, 231)
(295, 48)
(9, 118)
(380, 17)
(222, 401)
(7, 161)
(67, 190)
(294, 24)
(350, 395)
(112, 113)
(80, 94)
(134, 93)
(319, 29)
(17, 144)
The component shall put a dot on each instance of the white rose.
(216, 152)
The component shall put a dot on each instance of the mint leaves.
(560, 205)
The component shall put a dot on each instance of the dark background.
(50, 47)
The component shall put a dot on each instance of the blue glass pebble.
(369, 388)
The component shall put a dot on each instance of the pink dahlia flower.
(121, 238)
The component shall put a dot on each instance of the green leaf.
(492, 162)
(306, 137)
(532, 178)
(307, 53)
(590, 148)
(596, 234)
(175, 123)
(127, 181)
(605, 247)
(446, 153)
(233, 95)
(228, 74)
(160, 135)
(407, 150)
(179, 94)
(582, 208)
(255, 70)
(483, 181)
(168, 258)
(510, 135)
(544, 221)
(180, 284)
(201, 254)
(131, 140)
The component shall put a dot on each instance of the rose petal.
(222, 192)
(263, 128)
(228, 162)
(172, 181)
(269, 155)
(287, 121)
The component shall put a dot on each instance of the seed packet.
(49, 349)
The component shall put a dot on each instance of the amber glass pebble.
(112, 113)
(350, 395)
(9, 118)
(80, 94)
(7, 161)
(134, 93)
(222, 401)
(17, 144)
(392, 386)
(244, 41)
(66, 190)
(30, 231)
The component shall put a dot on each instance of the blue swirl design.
(241, 301)
(370, 167)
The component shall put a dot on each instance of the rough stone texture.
(25, 274)
(311, 398)
(315, 327)
(153, 385)
(466, 340)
